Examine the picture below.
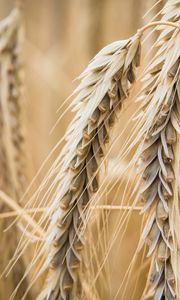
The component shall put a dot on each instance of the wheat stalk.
(11, 128)
(11, 139)
(104, 85)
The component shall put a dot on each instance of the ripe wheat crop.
(76, 181)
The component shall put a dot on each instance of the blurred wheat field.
(61, 37)
(53, 58)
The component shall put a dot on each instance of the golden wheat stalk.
(11, 122)
(12, 178)
(104, 85)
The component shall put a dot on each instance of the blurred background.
(60, 39)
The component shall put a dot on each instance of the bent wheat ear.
(104, 86)
(11, 142)
(160, 164)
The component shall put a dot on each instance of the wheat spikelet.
(11, 140)
(104, 85)
(160, 163)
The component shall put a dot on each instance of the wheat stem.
(117, 207)
(23, 212)
(158, 23)
(18, 210)
(16, 213)
(11, 144)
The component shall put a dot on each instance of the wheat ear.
(10, 104)
(158, 189)
(104, 85)
(160, 164)
(11, 138)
